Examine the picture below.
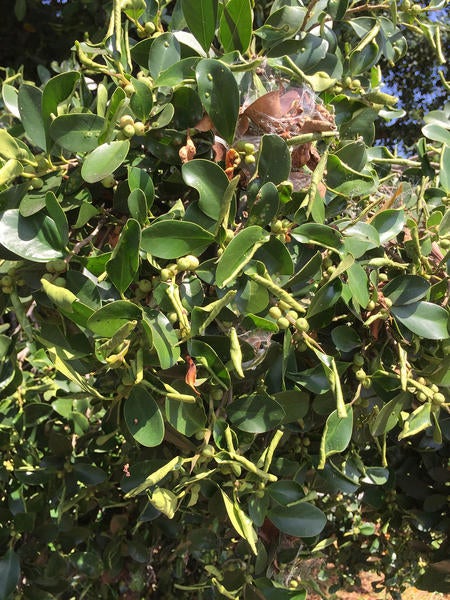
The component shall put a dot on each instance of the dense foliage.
(225, 326)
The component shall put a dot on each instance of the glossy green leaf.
(59, 217)
(210, 182)
(213, 77)
(281, 25)
(257, 413)
(325, 297)
(239, 252)
(358, 282)
(141, 102)
(164, 338)
(104, 160)
(268, 169)
(133, 8)
(417, 421)
(187, 418)
(389, 223)
(362, 60)
(299, 520)
(444, 175)
(336, 435)
(124, 262)
(137, 205)
(9, 574)
(317, 233)
(207, 357)
(201, 18)
(436, 133)
(27, 237)
(406, 289)
(106, 321)
(276, 258)
(77, 132)
(143, 417)
(345, 338)
(235, 29)
(344, 180)
(9, 148)
(9, 171)
(172, 239)
(57, 90)
(165, 501)
(29, 103)
(10, 99)
(425, 319)
(178, 72)
(265, 206)
(389, 414)
(286, 492)
(164, 52)
(140, 179)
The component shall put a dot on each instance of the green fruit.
(188, 263)
(283, 323)
(165, 274)
(150, 28)
(108, 181)
(276, 226)
(129, 89)
(249, 148)
(275, 312)
(208, 450)
(371, 305)
(173, 317)
(60, 282)
(7, 280)
(250, 159)
(217, 394)
(37, 183)
(126, 120)
(360, 374)
(358, 360)
(292, 314)
(139, 128)
(388, 302)
(383, 276)
(128, 131)
(302, 325)
(145, 285)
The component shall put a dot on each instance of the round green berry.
(128, 131)
(275, 312)
(37, 183)
(283, 323)
(150, 28)
(126, 120)
(187, 263)
(302, 325)
(145, 285)
(108, 181)
(139, 128)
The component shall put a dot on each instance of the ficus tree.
(224, 339)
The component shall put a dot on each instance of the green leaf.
(29, 103)
(286, 492)
(187, 418)
(213, 77)
(406, 289)
(210, 182)
(59, 217)
(345, 338)
(141, 102)
(207, 357)
(336, 435)
(425, 319)
(299, 520)
(361, 61)
(341, 179)
(240, 521)
(56, 90)
(388, 416)
(172, 239)
(257, 413)
(358, 283)
(10, 99)
(164, 52)
(9, 148)
(124, 262)
(275, 257)
(436, 133)
(239, 252)
(281, 25)
(235, 29)
(444, 174)
(315, 233)
(143, 417)
(26, 236)
(269, 169)
(389, 223)
(325, 298)
(265, 206)
(9, 574)
(163, 337)
(133, 8)
(104, 160)
(106, 321)
(175, 74)
(140, 179)
(201, 18)
(10, 170)
(417, 421)
(77, 132)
